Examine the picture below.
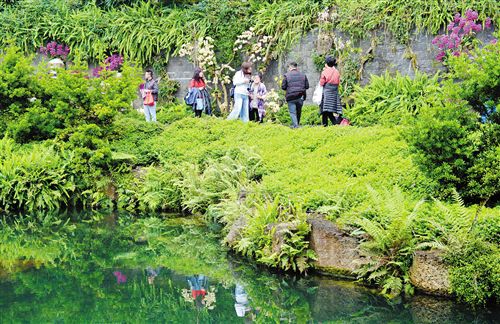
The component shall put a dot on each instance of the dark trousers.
(329, 115)
(254, 115)
(197, 113)
(295, 109)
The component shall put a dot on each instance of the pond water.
(175, 271)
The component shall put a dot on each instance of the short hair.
(150, 72)
(260, 75)
(331, 61)
(293, 64)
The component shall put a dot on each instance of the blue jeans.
(295, 109)
(150, 112)
(240, 109)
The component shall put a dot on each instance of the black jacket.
(295, 84)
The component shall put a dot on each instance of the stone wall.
(388, 55)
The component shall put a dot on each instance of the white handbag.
(318, 94)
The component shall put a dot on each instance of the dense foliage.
(72, 140)
(151, 31)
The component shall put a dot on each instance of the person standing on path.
(330, 107)
(295, 84)
(257, 99)
(242, 84)
(150, 86)
(202, 102)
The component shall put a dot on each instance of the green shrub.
(34, 179)
(174, 112)
(388, 100)
(449, 143)
(475, 272)
(18, 84)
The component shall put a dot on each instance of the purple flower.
(467, 29)
(456, 19)
(471, 15)
(440, 56)
(456, 53)
(450, 26)
(462, 22)
(476, 27)
(487, 23)
(456, 30)
(494, 41)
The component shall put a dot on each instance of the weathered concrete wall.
(388, 55)
(181, 70)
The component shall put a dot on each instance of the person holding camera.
(242, 85)
(295, 84)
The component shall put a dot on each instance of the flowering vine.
(201, 53)
(256, 48)
(461, 35)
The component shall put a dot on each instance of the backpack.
(190, 98)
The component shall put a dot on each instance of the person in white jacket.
(241, 82)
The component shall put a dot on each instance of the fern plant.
(387, 222)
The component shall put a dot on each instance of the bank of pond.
(119, 268)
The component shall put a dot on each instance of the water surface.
(175, 271)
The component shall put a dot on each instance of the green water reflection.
(175, 271)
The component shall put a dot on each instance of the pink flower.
(471, 15)
(476, 27)
(462, 22)
(467, 29)
(456, 30)
(493, 41)
(440, 56)
(450, 26)
(487, 23)
(456, 19)
(456, 53)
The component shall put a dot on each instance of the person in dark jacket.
(151, 85)
(295, 84)
(330, 107)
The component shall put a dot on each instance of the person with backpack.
(295, 84)
(150, 96)
(198, 92)
(330, 107)
(242, 85)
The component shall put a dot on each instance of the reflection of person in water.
(241, 306)
(152, 274)
(120, 277)
(198, 285)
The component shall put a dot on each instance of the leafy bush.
(475, 272)
(34, 179)
(18, 85)
(174, 112)
(387, 99)
(449, 143)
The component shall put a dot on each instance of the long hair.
(245, 67)
(196, 75)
